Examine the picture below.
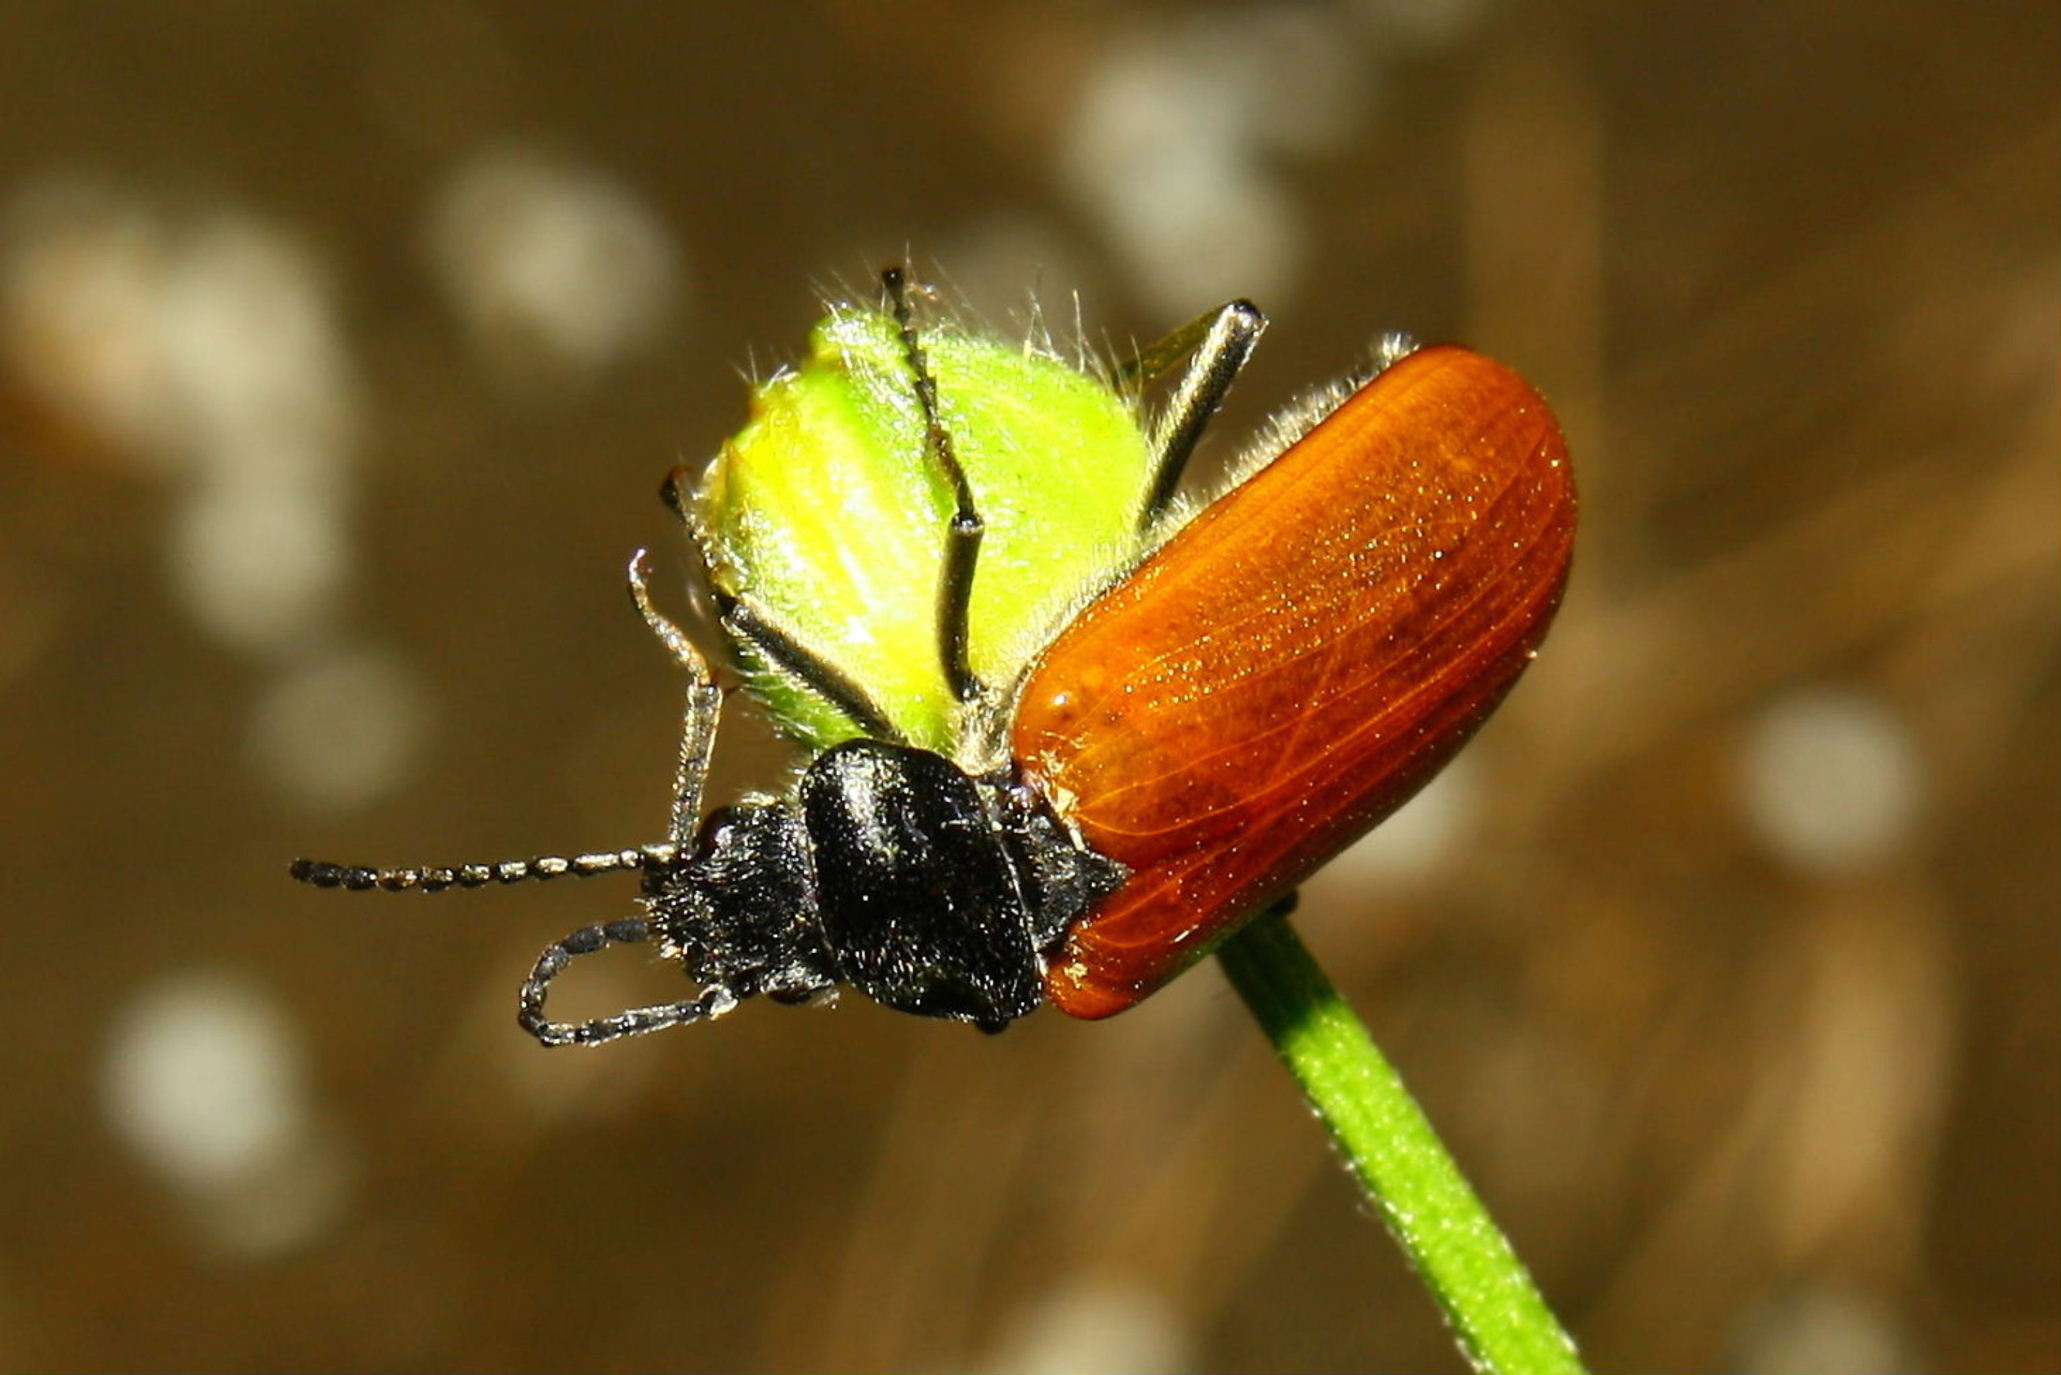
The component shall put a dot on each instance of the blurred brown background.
(342, 350)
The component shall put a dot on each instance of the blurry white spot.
(1418, 841)
(554, 269)
(339, 729)
(1831, 779)
(173, 341)
(267, 414)
(204, 1082)
(1171, 146)
(284, 1206)
(252, 350)
(1824, 1329)
(258, 564)
(207, 348)
(1101, 1329)
(204, 1079)
(79, 286)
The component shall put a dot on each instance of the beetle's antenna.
(698, 721)
(1217, 345)
(637, 1021)
(963, 535)
(435, 878)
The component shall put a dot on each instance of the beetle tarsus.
(1218, 345)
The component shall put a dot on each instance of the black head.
(740, 912)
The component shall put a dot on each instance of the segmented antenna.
(436, 878)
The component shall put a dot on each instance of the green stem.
(1502, 1323)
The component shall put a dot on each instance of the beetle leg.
(743, 620)
(697, 744)
(671, 636)
(964, 534)
(636, 1021)
(704, 705)
(1215, 345)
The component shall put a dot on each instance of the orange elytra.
(1296, 662)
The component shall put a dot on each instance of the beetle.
(1253, 691)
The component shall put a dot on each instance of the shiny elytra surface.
(1298, 661)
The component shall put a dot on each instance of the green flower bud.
(829, 515)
